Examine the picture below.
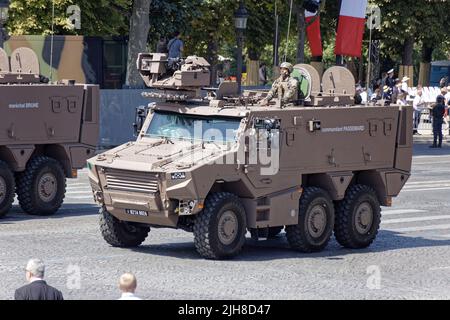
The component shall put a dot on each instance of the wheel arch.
(377, 181)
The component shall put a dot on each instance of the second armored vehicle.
(48, 132)
(220, 165)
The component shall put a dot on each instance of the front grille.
(131, 181)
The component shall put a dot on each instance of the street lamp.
(240, 20)
(4, 7)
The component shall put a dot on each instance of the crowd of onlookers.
(38, 289)
(390, 90)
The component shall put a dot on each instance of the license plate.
(137, 212)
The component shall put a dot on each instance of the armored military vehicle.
(47, 133)
(217, 164)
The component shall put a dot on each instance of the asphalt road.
(409, 260)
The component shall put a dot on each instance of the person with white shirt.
(419, 104)
(402, 99)
(447, 95)
(128, 284)
(405, 84)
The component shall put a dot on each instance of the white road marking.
(428, 186)
(429, 218)
(426, 189)
(424, 228)
(439, 268)
(428, 182)
(81, 197)
(400, 211)
(428, 163)
(79, 192)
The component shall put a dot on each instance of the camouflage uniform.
(286, 88)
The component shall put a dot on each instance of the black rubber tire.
(10, 184)
(27, 186)
(206, 227)
(345, 225)
(299, 236)
(121, 233)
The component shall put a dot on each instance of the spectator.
(162, 45)
(358, 98)
(128, 284)
(396, 90)
(447, 95)
(419, 104)
(390, 80)
(383, 79)
(263, 74)
(443, 82)
(387, 94)
(364, 95)
(37, 288)
(405, 84)
(401, 99)
(438, 113)
(175, 46)
(376, 96)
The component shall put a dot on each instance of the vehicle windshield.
(189, 127)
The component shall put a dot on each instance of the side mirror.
(140, 116)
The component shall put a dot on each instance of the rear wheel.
(7, 188)
(358, 217)
(220, 228)
(41, 187)
(315, 222)
(121, 233)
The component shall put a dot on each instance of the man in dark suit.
(37, 288)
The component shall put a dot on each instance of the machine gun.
(175, 80)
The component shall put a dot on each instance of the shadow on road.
(67, 210)
(421, 148)
(278, 248)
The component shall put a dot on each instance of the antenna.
(51, 40)
(289, 30)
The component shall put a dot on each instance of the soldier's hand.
(263, 102)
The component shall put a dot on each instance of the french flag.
(351, 28)
(313, 33)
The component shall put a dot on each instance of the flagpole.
(369, 66)
(51, 41)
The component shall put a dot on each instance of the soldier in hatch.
(285, 87)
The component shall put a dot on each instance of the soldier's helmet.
(287, 65)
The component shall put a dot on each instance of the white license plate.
(136, 212)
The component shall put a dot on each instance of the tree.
(139, 27)
(101, 17)
(405, 24)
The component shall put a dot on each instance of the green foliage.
(100, 17)
(207, 26)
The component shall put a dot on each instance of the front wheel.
(358, 217)
(121, 233)
(7, 188)
(219, 230)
